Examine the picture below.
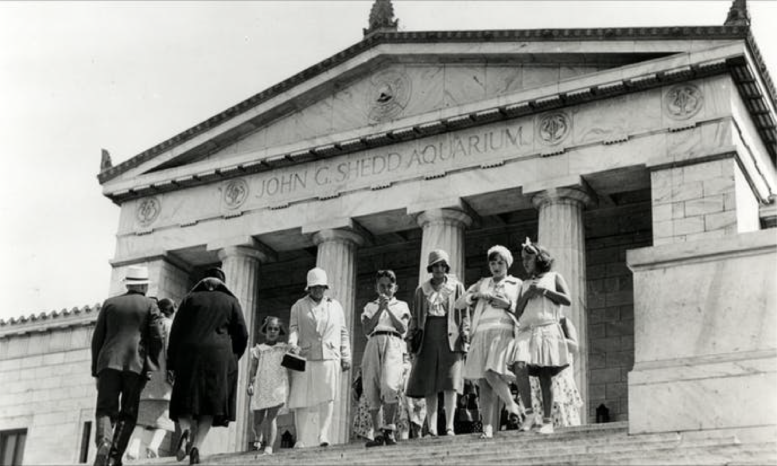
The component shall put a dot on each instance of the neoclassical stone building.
(644, 158)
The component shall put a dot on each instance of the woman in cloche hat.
(439, 337)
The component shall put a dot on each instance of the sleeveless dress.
(271, 383)
(540, 341)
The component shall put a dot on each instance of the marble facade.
(389, 141)
(639, 161)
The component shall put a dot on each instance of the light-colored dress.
(153, 409)
(271, 382)
(493, 329)
(566, 398)
(540, 341)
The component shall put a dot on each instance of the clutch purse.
(293, 362)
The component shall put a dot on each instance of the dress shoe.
(376, 442)
(180, 451)
(388, 437)
(194, 456)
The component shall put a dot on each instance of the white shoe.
(299, 445)
(530, 421)
(546, 428)
(268, 450)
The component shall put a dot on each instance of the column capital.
(445, 216)
(572, 195)
(243, 247)
(338, 234)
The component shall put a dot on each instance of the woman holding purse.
(439, 336)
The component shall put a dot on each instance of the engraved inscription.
(388, 95)
(148, 211)
(683, 101)
(553, 127)
(235, 193)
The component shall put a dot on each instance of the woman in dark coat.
(207, 339)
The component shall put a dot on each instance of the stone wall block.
(662, 212)
(721, 220)
(688, 225)
(703, 171)
(706, 205)
(718, 185)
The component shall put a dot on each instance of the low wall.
(705, 323)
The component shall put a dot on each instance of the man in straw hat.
(126, 346)
(317, 331)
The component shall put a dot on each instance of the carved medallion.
(683, 101)
(148, 211)
(388, 95)
(554, 127)
(235, 193)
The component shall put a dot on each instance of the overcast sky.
(81, 76)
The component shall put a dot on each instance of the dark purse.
(415, 341)
(293, 362)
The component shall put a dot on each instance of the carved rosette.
(148, 211)
(553, 128)
(388, 94)
(683, 101)
(235, 193)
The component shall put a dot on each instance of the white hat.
(136, 275)
(316, 277)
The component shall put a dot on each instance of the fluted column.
(241, 267)
(443, 229)
(337, 256)
(562, 231)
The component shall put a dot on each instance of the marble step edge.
(549, 453)
(383, 455)
(669, 455)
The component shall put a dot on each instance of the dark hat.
(166, 306)
(216, 272)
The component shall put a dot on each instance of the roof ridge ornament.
(738, 14)
(381, 18)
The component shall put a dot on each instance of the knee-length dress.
(493, 330)
(271, 382)
(437, 365)
(540, 341)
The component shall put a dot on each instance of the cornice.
(478, 116)
(420, 37)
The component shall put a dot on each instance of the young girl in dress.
(269, 383)
(540, 346)
(493, 328)
(566, 398)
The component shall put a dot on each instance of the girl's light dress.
(540, 341)
(271, 383)
(493, 330)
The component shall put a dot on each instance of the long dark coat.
(207, 339)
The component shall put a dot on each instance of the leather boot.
(104, 437)
(121, 438)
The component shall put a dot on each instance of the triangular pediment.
(373, 86)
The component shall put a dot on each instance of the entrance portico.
(636, 144)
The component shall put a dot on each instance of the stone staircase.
(601, 444)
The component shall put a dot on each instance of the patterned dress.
(566, 398)
(271, 383)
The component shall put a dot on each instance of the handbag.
(293, 362)
(415, 341)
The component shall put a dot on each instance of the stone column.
(241, 267)
(562, 231)
(337, 256)
(443, 229)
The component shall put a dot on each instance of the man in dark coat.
(127, 342)
(207, 339)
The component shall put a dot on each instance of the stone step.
(598, 444)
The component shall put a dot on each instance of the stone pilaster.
(337, 256)
(443, 229)
(241, 267)
(562, 231)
